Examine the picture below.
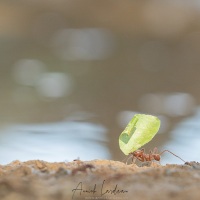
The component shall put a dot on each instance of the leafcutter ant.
(152, 155)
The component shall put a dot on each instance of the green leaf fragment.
(139, 131)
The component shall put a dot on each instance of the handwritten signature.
(79, 189)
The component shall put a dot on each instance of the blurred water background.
(73, 73)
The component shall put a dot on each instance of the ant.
(152, 155)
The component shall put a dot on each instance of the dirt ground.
(98, 179)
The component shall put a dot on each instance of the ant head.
(156, 157)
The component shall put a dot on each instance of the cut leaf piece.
(139, 131)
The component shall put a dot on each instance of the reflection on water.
(83, 44)
(32, 72)
(185, 140)
(173, 104)
(62, 141)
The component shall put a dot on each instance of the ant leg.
(125, 159)
(172, 154)
(140, 158)
(155, 150)
(142, 150)
(134, 159)
(128, 159)
(150, 156)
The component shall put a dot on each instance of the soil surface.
(98, 179)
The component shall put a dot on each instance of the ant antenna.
(172, 154)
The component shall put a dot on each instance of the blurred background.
(73, 73)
